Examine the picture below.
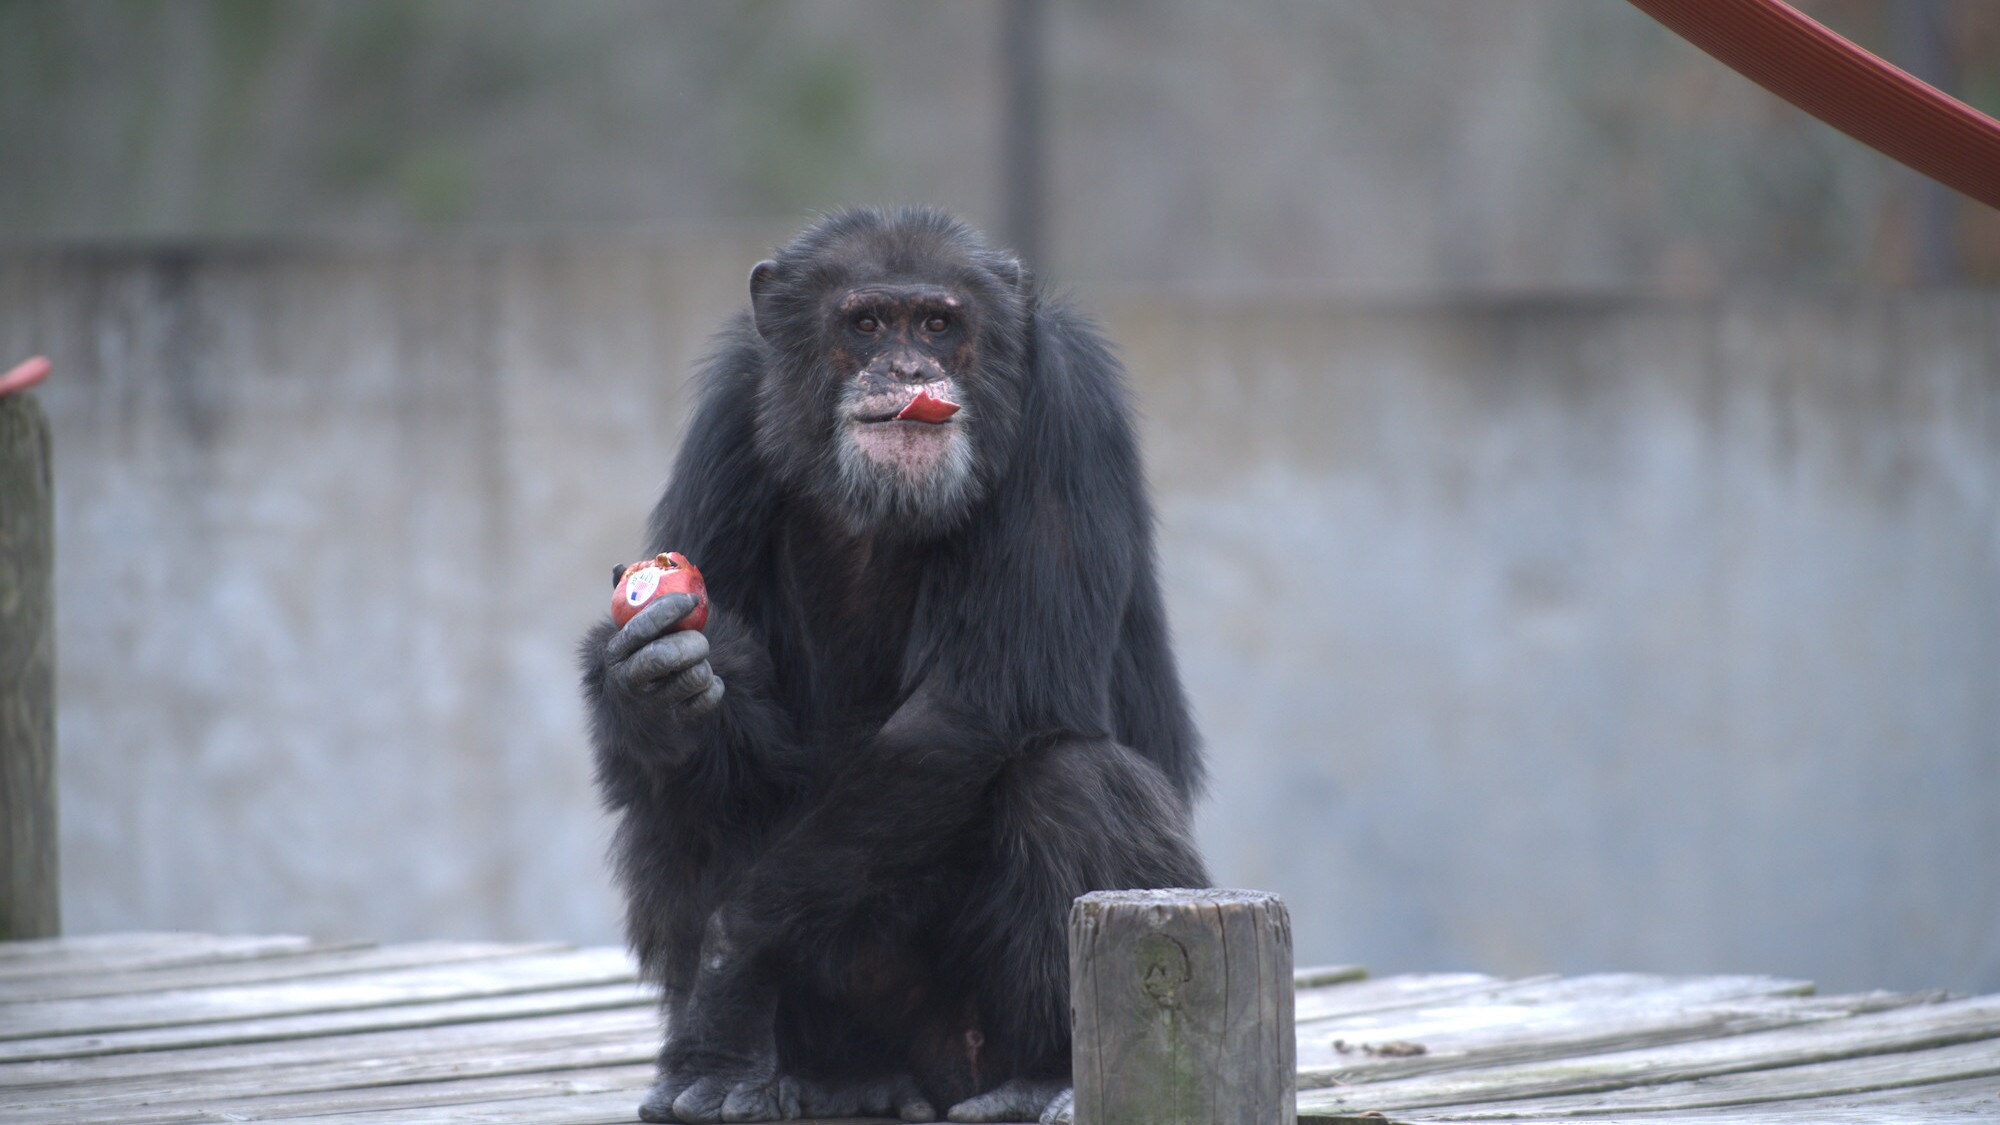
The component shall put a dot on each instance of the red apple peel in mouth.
(926, 407)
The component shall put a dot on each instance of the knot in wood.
(1163, 968)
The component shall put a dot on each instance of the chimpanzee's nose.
(910, 367)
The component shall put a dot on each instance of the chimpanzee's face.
(858, 329)
(890, 342)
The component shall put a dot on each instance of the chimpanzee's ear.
(1012, 272)
(763, 277)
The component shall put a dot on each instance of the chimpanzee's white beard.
(906, 475)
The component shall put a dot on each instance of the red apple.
(648, 579)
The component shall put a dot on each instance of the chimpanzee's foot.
(1047, 1100)
(712, 1098)
(897, 1096)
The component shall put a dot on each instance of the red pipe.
(24, 375)
(1788, 53)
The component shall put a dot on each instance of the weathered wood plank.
(1885, 1023)
(30, 906)
(1455, 990)
(447, 1061)
(1406, 990)
(580, 1104)
(401, 986)
(1861, 1075)
(581, 1107)
(560, 995)
(350, 1034)
(166, 954)
(187, 1064)
(451, 1100)
(1573, 1015)
(92, 945)
(1975, 1099)
(298, 965)
(1182, 1001)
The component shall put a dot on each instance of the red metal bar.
(24, 375)
(1788, 53)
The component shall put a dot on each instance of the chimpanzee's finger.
(648, 625)
(662, 660)
(707, 701)
(684, 685)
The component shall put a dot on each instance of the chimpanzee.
(933, 701)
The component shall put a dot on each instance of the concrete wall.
(1354, 147)
(1526, 635)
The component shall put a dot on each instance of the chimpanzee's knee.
(1068, 816)
(1095, 815)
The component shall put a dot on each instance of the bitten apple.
(648, 579)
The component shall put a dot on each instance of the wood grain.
(469, 975)
(1832, 1029)
(29, 906)
(1182, 1003)
(558, 994)
(160, 952)
(1544, 1019)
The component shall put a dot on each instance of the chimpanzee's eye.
(936, 324)
(866, 323)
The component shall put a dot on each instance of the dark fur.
(936, 729)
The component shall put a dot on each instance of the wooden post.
(1182, 1004)
(28, 906)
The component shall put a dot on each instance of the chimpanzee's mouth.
(892, 420)
(877, 416)
(927, 405)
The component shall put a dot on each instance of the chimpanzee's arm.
(696, 709)
(690, 709)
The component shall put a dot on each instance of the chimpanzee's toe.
(757, 1101)
(659, 1103)
(703, 1101)
(1018, 1099)
(889, 1096)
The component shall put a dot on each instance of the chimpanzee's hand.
(645, 663)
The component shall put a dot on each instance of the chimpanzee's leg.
(1009, 838)
(1069, 816)
(886, 844)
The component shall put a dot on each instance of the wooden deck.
(200, 1028)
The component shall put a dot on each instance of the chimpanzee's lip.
(877, 409)
(873, 419)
